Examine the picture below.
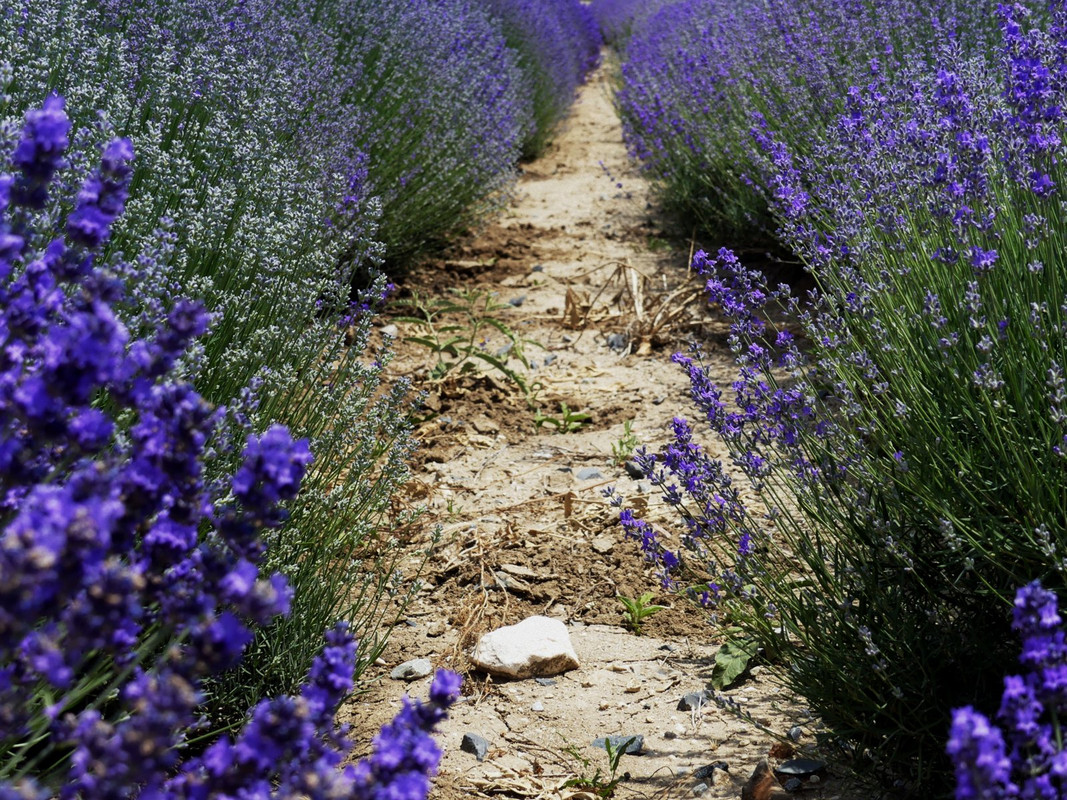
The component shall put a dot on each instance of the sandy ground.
(582, 261)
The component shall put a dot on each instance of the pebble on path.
(412, 670)
(474, 744)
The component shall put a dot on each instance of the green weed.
(456, 329)
(638, 609)
(567, 422)
(624, 446)
(598, 784)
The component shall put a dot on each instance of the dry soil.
(592, 281)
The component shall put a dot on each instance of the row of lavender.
(193, 493)
(904, 424)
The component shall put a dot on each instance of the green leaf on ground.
(732, 660)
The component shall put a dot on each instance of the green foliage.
(638, 609)
(657, 244)
(624, 446)
(438, 103)
(568, 421)
(456, 331)
(733, 659)
(598, 784)
(342, 545)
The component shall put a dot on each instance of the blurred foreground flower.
(127, 578)
(1023, 755)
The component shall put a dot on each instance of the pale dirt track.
(524, 535)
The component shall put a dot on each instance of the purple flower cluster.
(617, 18)
(127, 578)
(1022, 755)
(696, 74)
(558, 43)
(432, 94)
(404, 755)
(903, 423)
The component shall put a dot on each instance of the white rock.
(537, 646)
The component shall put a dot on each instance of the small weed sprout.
(455, 328)
(598, 784)
(638, 609)
(624, 447)
(568, 421)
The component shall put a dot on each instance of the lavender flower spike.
(103, 198)
(39, 153)
(405, 755)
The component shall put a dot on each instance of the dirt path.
(583, 265)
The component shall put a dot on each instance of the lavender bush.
(902, 425)
(695, 72)
(251, 198)
(558, 43)
(618, 18)
(129, 575)
(1023, 756)
(431, 92)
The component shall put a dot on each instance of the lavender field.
(221, 220)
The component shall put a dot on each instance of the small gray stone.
(503, 351)
(708, 770)
(474, 744)
(633, 470)
(617, 341)
(633, 744)
(795, 733)
(567, 338)
(589, 474)
(658, 400)
(537, 268)
(517, 301)
(412, 670)
(391, 331)
(801, 767)
(545, 681)
(537, 706)
(793, 785)
(550, 359)
(670, 735)
(700, 789)
(692, 701)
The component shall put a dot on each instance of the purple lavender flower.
(121, 568)
(103, 198)
(983, 768)
(405, 756)
(39, 153)
(1023, 755)
(558, 43)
